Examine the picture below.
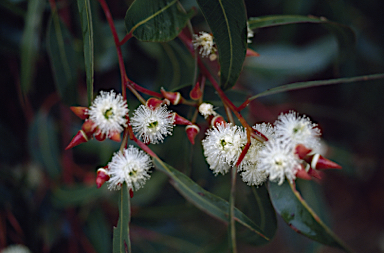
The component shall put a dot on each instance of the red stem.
(144, 90)
(123, 74)
(125, 39)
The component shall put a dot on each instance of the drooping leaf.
(121, 241)
(204, 200)
(30, 42)
(300, 217)
(228, 22)
(302, 85)
(43, 144)
(156, 20)
(88, 45)
(60, 45)
(259, 208)
(343, 33)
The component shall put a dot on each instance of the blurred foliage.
(48, 198)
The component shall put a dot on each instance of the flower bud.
(100, 136)
(320, 163)
(174, 97)
(154, 102)
(178, 120)
(80, 111)
(196, 93)
(116, 137)
(192, 131)
(217, 120)
(79, 138)
(102, 177)
(251, 53)
(303, 174)
(130, 192)
(302, 151)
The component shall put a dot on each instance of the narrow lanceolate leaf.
(121, 241)
(302, 85)
(228, 22)
(60, 45)
(259, 208)
(30, 42)
(87, 28)
(300, 217)
(204, 200)
(156, 20)
(344, 34)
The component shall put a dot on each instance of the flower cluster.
(205, 42)
(286, 151)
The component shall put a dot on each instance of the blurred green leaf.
(121, 241)
(43, 144)
(99, 231)
(77, 195)
(300, 217)
(87, 28)
(30, 42)
(302, 85)
(345, 35)
(156, 20)
(204, 200)
(228, 22)
(259, 208)
(60, 45)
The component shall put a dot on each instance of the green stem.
(232, 228)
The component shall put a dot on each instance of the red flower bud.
(89, 128)
(174, 97)
(320, 163)
(302, 151)
(130, 193)
(102, 177)
(116, 137)
(100, 136)
(79, 138)
(303, 174)
(80, 111)
(250, 52)
(192, 131)
(154, 103)
(217, 120)
(196, 92)
(178, 120)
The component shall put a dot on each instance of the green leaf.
(228, 22)
(204, 200)
(259, 208)
(60, 45)
(30, 42)
(302, 85)
(121, 241)
(77, 195)
(87, 28)
(43, 144)
(300, 217)
(344, 34)
(156, 20)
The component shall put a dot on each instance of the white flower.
(152, 124)
(252, 175)
(16, 248)
(266, 129)
(131, 166)
(249, 34)
(278, 160)
(108, 112)
(205, 41)
(222, 146)
(297, 129)
(206, 109)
